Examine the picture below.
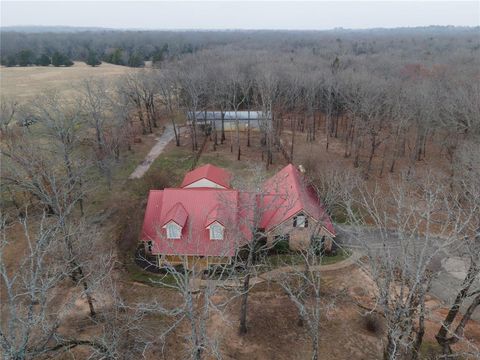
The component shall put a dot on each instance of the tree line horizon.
(32, 46)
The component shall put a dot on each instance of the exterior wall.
(198, 262)
(299, 237)
(230, 125)
(204, 183)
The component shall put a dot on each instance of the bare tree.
(62, 122)
(465, 200)
(267, 93)
(410, 233)
(97, 103)
(132, 88)
(195, 288)
(30, 319)
(235, 96)
(8, 110)
(303, 286)
(168, 89)
(32, 169)
(251, 234)
(192, 82)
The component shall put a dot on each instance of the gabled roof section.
(214, 216)
(285, 195)
(177, 214)
(153, 211)
(200, 204)
(210, 172)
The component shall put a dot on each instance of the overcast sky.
(240, 14)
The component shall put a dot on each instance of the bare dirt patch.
(275, 333)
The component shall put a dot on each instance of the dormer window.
(216, 231)
(173, 231)
(300, 221)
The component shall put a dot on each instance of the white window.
(173, 231)
(300, 221)
(216, 232)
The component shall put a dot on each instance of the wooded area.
(401, 107)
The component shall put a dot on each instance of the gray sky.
(240, 14)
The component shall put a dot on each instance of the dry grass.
(25, 83)
(251, 165)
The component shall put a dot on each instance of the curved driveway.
(451, 269)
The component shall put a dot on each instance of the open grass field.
(25, 83)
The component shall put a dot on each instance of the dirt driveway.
(162, 141)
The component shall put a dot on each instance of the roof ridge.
(200, 189)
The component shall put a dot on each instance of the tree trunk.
(315, 347)
(142, 122)
(356, 161)
(370, 158)
(442, 336)
(293, 140)
(248, 129)
(336, 124)
(390, 351)
(175, 131)
(420, 332)
(89, 299)
(243, 311)
(466, 317)
(223, 138)
(237, 125)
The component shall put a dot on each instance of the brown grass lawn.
(273, 330)
(25, 83)
(251, 164)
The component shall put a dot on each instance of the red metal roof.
(214, 215)
(286, 194)
(198, 204)
(194, 209)
(178, 214)
(210, 172)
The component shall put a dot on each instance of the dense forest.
(26, 46)
(388, 99)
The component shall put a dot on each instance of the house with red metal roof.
(207, 221)
(292, 210)
(207, 176)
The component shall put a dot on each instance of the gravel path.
(162, 141)
(277, 273)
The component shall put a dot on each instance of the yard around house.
(273, 336)
(274, 332)
(272, 318)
